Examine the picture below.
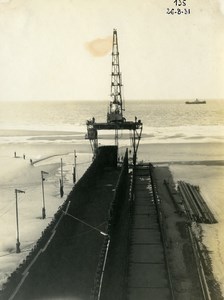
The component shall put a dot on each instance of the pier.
(119, 235)
(148, 271)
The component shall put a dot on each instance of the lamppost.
(17, 222)
(43, 203)
(74, 169)
(61, 181)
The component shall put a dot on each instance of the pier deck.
(148, 276)
(151, 254)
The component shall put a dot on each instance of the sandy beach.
(182, 152)
(210, 180)
(19, 173)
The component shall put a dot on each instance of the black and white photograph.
(112, 149)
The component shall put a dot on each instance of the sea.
(164, 121)
(189, 139)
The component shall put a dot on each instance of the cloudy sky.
(61, 49)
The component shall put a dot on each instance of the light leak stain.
(100, 46)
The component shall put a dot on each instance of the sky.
(61, 49)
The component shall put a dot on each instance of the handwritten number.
(170, 11)
(179, 10)
(180, 2)
(187, 11)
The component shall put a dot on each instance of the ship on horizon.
(196, 102)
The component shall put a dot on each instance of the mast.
(115, 111)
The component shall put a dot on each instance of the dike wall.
(106, 158)
(113, 215)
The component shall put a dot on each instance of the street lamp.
(74, 168)
(17, 222)
(43, 206)
(61, 181)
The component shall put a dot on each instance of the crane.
(115, 119)
(115, 112)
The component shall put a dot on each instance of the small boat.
(196, 102)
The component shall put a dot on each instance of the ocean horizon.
(163, 121)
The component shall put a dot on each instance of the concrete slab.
(149, 293)
(147, 253)
(144, 201)
(141, 172)
(144, 221)
(142, 209)
(142, 188)
(140, 181)
(146, 236)
(141, 193)
(147, 275)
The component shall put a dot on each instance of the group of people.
(24, 157)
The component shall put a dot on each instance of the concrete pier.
(146, 251)
(148, 276)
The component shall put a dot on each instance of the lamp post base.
(74, 175)
(18, 247)
(43, 213)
